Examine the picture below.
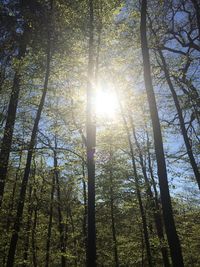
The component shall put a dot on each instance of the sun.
(105, 103)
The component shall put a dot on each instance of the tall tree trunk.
(142, 212)
(3, 72)
(20, 206)
(28, 228)
(60, 217)
(91, 136)
(70, 216)
(10, 121)
(85, 208)
(181, 120)
(33, 241)
(11, 205)
(143, 216)
(48, 244)
(12, 198)
(153, 202)
(173, 240)
(116, 257)
(142, 247)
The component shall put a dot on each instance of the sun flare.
(105, 103)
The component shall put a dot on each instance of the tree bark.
(48, 244)
(85, 209)
(60, 217)
(33, 242)
(153, 202)
(28, 228)
(10, 121)
(116, 257)
(144, 222)
(91, 136)
(173, 240)
(20, 206)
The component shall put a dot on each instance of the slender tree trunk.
(33, 242)
(144, 222)
(142, 247)
(154, 203)
(15, 182)
(60, 217)
(150, 168)
(74, 238)
(11, 204)
(142, 212)
(181, 120)
(28, 228)
(91, 136)
(173, 240)
(113, 221)
(20, 207)
(10, 122)
(85, 209)
(48, 244)
(34, 224)
(3, 72)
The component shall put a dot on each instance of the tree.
(173, 240)
(91, 248)
(93, 99)
(20, 207)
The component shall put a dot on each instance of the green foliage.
(63, 125)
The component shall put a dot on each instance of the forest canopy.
(99, 133)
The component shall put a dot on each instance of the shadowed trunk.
(28, 228)
(10, 121)
(154, 203)
(20, 206)
(91, 136)
(143, 216)
(113, 220)
(60, 217)
(173, 240)
(48, 244)
(33, 242)
(85, 208)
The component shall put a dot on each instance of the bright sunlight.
(106, 102)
